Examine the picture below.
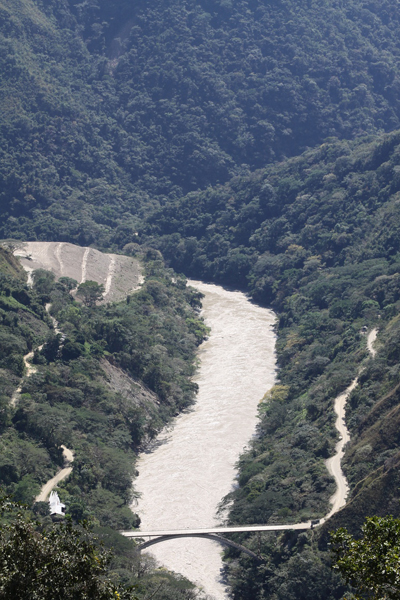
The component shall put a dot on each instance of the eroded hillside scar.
(110, 275)
(59, 257)
(84, 264)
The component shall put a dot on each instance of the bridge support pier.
(210, 536)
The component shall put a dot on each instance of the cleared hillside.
(120, 275)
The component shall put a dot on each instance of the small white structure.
(56, 506)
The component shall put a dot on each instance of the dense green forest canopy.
(332, 206)
(371, 563)
(316, 236)
(256, 144)
(108, 108)
(55, 563)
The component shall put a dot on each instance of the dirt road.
(370, 341)
(338, 500)
(63, 474)
(120, 275)
(68, 454)
(30, 369)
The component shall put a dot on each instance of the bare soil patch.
(131, 389)
(120, 275)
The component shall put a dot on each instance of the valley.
(253, 146)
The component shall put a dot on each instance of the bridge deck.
(240, 529)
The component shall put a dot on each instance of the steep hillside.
(23, 325)
(108, 109)
(104, 388)
(317, 237)
(255, 144)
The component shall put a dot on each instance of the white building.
(56, 506)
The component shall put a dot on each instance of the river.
(192, 468)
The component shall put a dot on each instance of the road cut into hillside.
(68, 455)
(30, 369)
(338, 500)
(62, 474)
(371, 340)
(119, 274)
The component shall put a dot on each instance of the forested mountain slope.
(108, 108)
(255, 144)
(317, 237)
(103, 389)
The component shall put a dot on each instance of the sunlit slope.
(117, 273)
(54, 156)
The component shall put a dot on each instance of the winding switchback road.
(333, 464)
(119, 274)
(30, 369)
(68, 454)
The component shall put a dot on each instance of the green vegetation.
(316, 237)
(90, 292)
(60, 563)
(254, 144)
(109, 110)
(104, 389)
(371, 564)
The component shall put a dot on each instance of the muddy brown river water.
(183, 480)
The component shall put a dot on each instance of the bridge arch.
(210, 536)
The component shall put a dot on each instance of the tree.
(51, 347)
(372, 563)
(61, 563)
(90, 292)
(43, 281)
(68, 283)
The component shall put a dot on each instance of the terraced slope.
(119, 274)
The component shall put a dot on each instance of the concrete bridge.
(214, 533)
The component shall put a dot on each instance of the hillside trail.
(333, 464)
(63, 474)
(370, 341)
(31, 369)
(68, 455)
(120, 275)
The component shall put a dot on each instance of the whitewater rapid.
(192, 468)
